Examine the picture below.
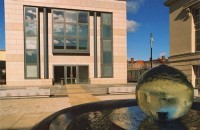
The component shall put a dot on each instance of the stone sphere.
(164, 93)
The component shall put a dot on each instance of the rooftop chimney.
(132, 60)
(163, 58)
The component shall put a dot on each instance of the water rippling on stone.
(131, 118)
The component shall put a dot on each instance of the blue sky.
(2, 30)
(143, 17)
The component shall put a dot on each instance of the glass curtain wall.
(106, 45)
(70, 31)
(31, 42)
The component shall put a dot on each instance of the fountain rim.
(95, 106)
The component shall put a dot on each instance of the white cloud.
(56, 41)
(58, 17)
(30, 53)
(31, 12)
(162, 54)
(134, 5)
(131, 25)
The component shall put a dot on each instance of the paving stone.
(26, 122)
(43, 116)
(2, 117)
(77, 95)
(9, 121)
(33, 105)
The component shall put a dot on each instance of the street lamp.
(151, 43)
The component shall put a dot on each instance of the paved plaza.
(24, 113)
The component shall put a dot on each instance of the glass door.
(71, 75)
(58, 74)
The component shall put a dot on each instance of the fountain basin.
(114, 115)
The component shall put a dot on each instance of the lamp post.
(151, 43)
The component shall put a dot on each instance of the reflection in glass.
(107, 46)
(107, 57)
(107, 19)
(68, 72)
(30, 28)
(83, 17)
(107, 31)
(31, 57)
(107, 70)
(31, 71)
(70, 29)
(83, 30)
(58, 16)
(58, 29)
(30, 13)
(73, 26)
(58, 74)
(83, 44)
(71, 16)
(73, 72)
(58, 43)
(71, 44)
(31, 42)
(83, 74)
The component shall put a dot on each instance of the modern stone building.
(70, 41)
(185, 37)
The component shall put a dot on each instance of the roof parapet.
(169, 2)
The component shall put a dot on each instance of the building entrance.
(71, 77)
(71, 74)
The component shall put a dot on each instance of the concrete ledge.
(121, 90)
(24, 92)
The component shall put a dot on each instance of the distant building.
(185, 37)
(137, 68)
(65, 41)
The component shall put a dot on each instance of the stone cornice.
(191, 3)
(169, 2)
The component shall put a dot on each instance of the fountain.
(164, 101)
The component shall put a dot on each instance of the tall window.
(197, 74)
(31, 42)
(106, 45)
(70, 31)
(197, 29)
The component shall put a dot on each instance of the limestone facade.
(184, 37)
(15, 48)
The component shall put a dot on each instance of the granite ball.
(164, 93)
